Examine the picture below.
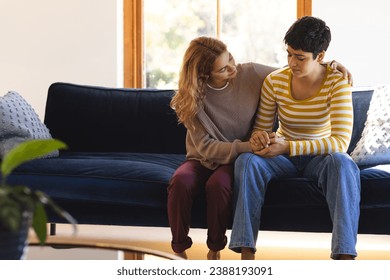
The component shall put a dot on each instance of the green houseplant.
(21, 207)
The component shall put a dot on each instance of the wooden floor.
(271, 245)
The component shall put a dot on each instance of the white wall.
(360, 37)
(45, 41)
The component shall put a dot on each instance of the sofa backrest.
(98, 119)
(361, 103)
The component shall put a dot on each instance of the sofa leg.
(52, 229)
(133, 256)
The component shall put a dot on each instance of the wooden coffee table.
(129, 252)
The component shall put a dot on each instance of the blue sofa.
(124, 145)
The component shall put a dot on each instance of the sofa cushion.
(303, 192)
(375, 183)
(115, 178)
(373, 148)
(19, 122)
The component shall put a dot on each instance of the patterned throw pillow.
(373, 148)
(19, 122)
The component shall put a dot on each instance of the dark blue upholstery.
(117, 178)
(124, 145)
(96, 119)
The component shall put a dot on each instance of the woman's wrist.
(287, 148)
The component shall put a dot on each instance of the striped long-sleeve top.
(321, 124)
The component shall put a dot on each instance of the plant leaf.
(46, 200)
(26, 151)
(39, 222)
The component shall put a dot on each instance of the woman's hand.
(338, 67)
(279, 147)
(268, 144)
(260, 139)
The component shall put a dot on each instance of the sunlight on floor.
(270, 246)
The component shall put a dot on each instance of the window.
(252, 29)
(169, 25)
(157, 32)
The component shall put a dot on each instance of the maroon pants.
(184, 186)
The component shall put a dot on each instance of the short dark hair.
(309, 34)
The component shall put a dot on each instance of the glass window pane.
(169, 27)
(254, 29)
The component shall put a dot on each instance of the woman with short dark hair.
(314, 108)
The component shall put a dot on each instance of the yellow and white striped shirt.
(321, 124)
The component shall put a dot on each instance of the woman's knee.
(181, 183)
(221, 182)
(342, 161)
(219, 190)
(243, 160)
(185, 179)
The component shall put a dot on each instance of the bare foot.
(346, 257)
(212, 255)
(182, 255)
(247, 254)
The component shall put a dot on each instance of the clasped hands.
(267, 144)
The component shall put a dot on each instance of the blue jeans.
(338, 179)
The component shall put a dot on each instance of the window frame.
(133, 28)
